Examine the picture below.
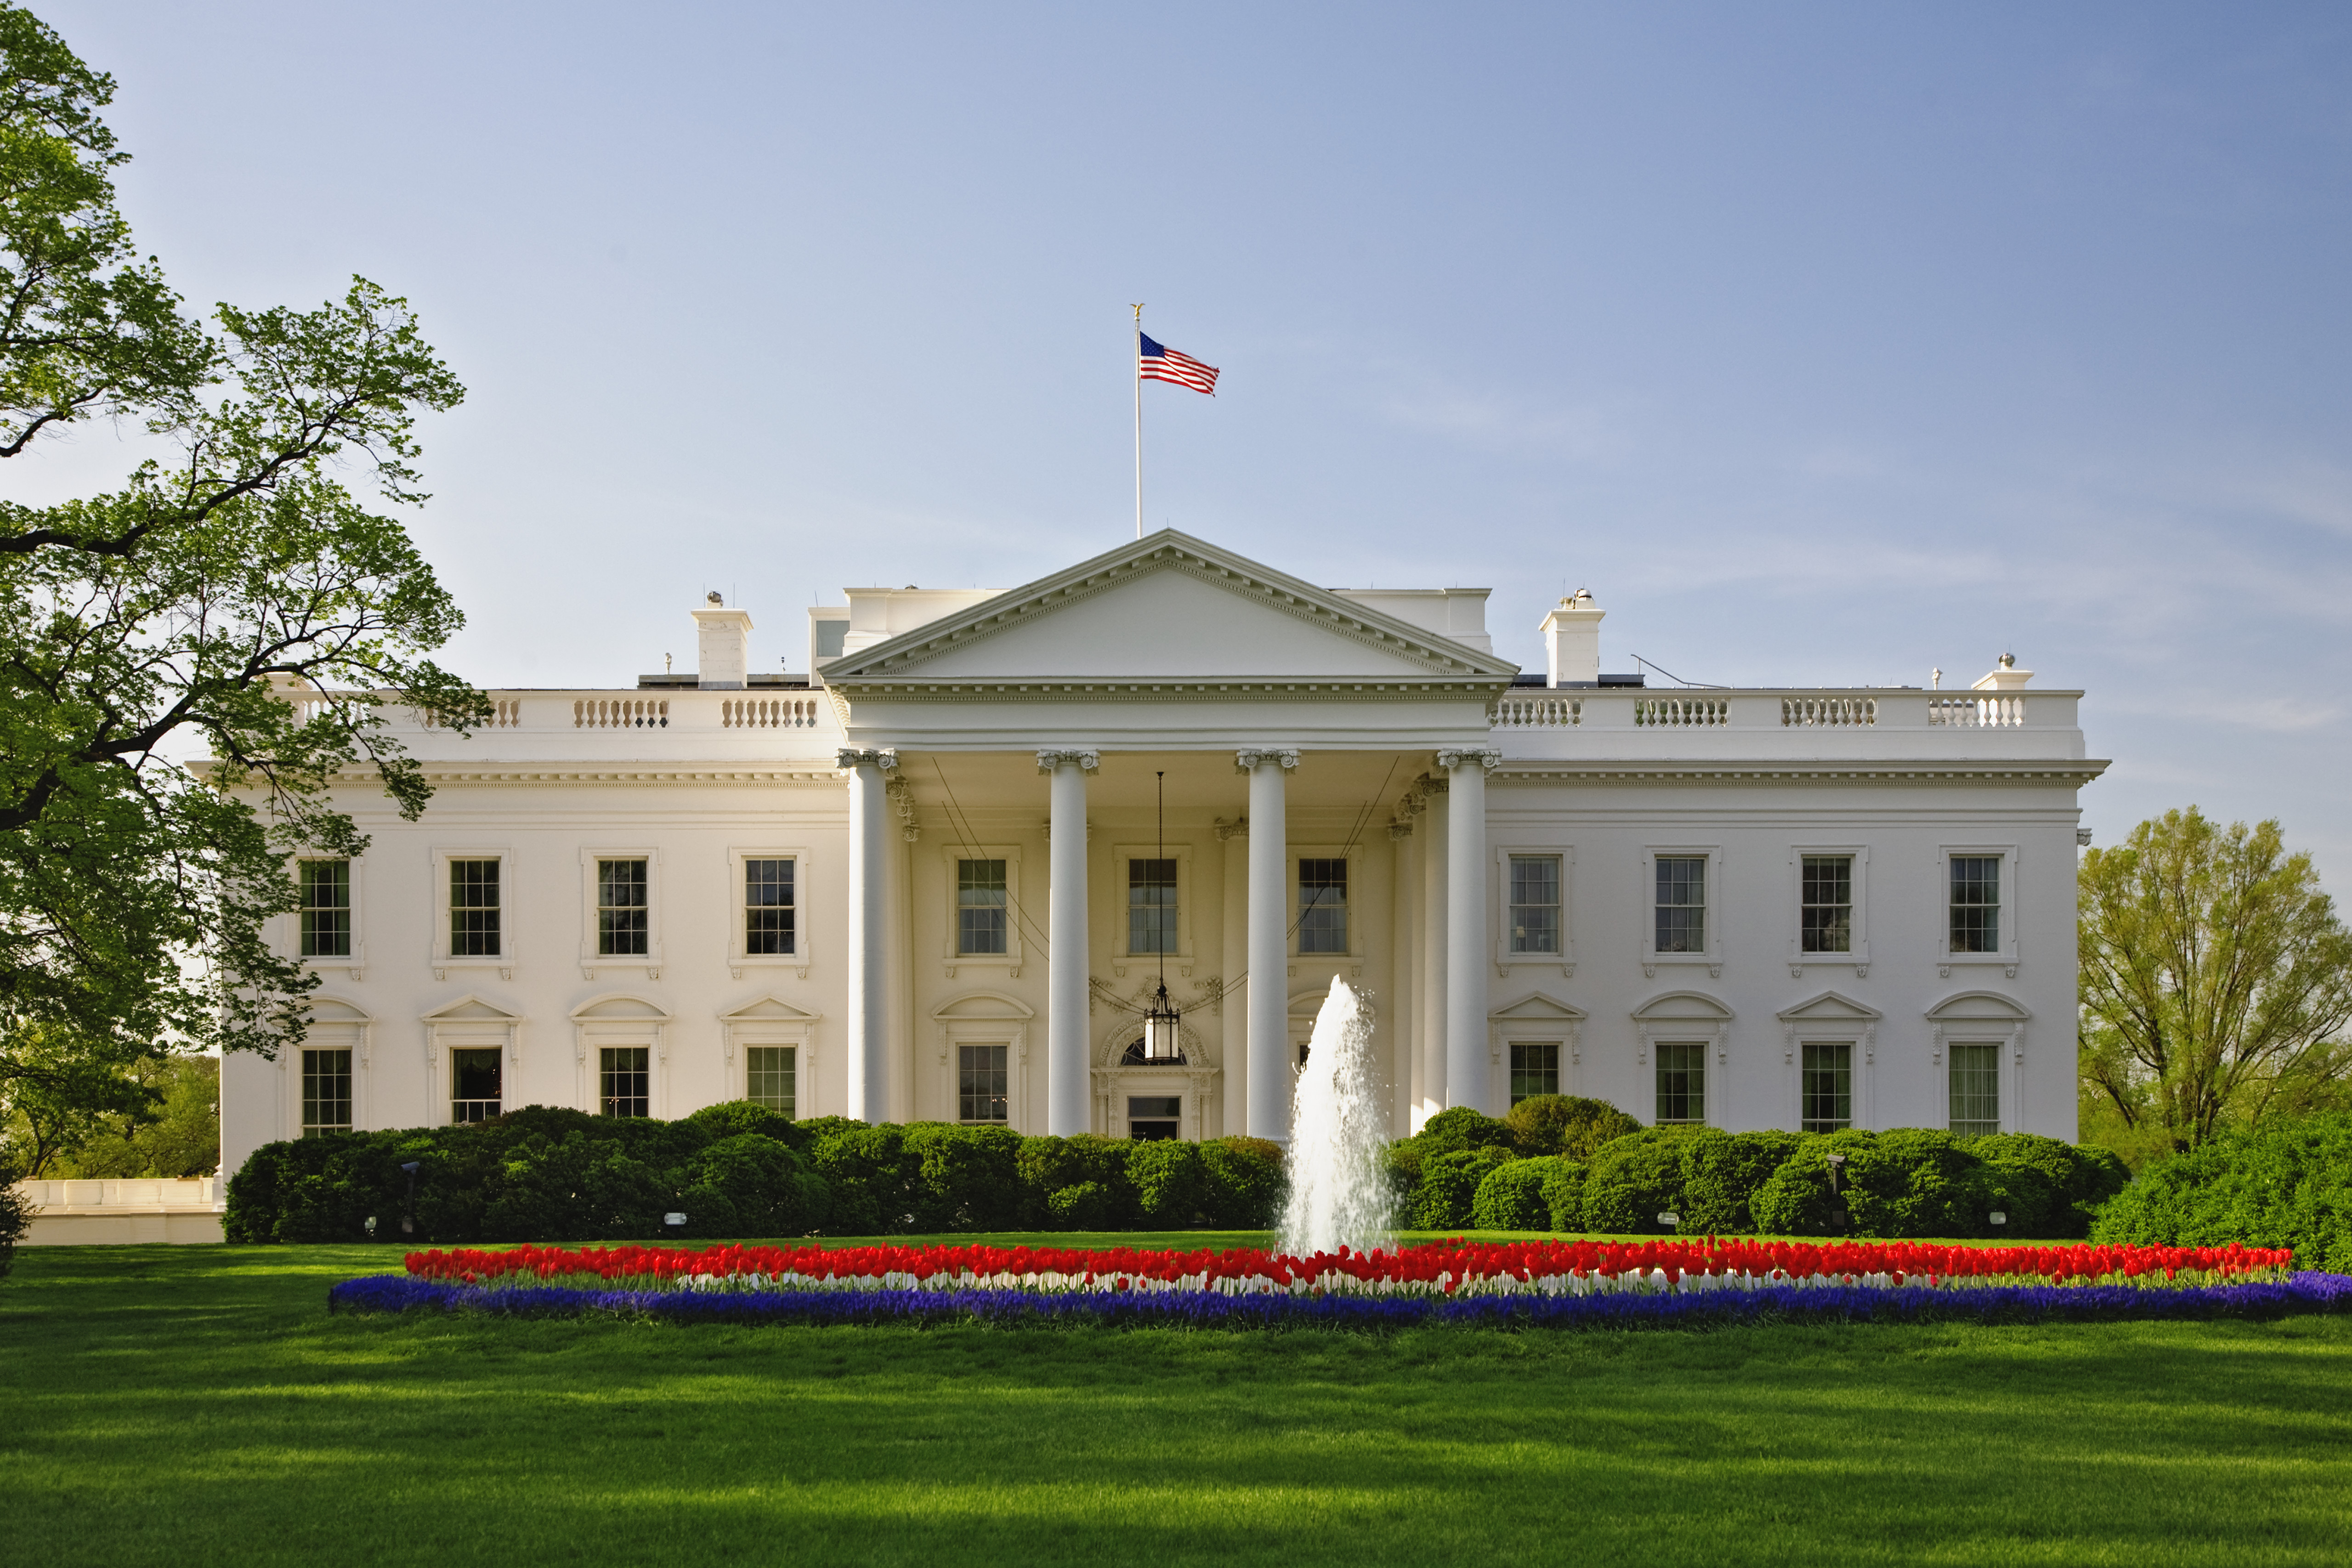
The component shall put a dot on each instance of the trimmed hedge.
(2283, 1185)
(736, 1170)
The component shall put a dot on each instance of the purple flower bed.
(2309, 1292)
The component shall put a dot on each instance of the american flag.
(1155, 362)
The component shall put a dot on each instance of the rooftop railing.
(1871, 708)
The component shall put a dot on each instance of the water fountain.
(1338, 1136)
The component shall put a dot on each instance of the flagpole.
(1138, 369)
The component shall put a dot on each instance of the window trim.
(1682, 1018)
(1980, 1018)
(1004, 1020)
(1858, 956)
(1499, 885)
(1123, 958)
(1359, 910)
(1846, 1021)
(1711, 955)
(510, 910)
(744, 1025)
(356, 963)
(2005, 955)
(1536, 1018)
(448, 1027)
(739, 960)
(1014, 955)
(591, 960)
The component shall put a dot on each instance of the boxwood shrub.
(2289, 1185)
(1511, 1197)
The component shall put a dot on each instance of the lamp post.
(1162, 1024)
(408, 1211)
(1838, 1216)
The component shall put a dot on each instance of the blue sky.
(1824, 343)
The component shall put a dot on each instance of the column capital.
(1247, 758)
(1085, 759)
(1452, 757)
(1401, 829)
(1238, 827)
(855, 756)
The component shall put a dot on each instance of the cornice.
(708, 773)
(1071, 689)
(1169, 551)
(2074, 772)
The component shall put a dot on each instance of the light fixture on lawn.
(1162, 1038)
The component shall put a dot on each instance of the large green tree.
(2216, 982)
(230, 598)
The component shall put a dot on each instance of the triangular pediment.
(1538, 1009)
(769, 1010)
(1828, 1007)
(469, 1008)
(1169, 607)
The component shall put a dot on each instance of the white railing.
(1808, 712)
(1706, 711)
(506, 713)
(1983, 711)
(768, 713)
(1539, 712)
(132, 1193)
(621, 713)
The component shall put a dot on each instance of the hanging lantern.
(1161, 1041)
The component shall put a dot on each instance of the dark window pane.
(772, 1073)
(326, 909)
(1154, 1116)
(474, 909)
(1828, 1086)
(982, 1083)
(979, 907)
(625, 1080)
(768, 909)
(1826, 905)
(1151, 906)
(1681, 903)
(1976, 904)
(1682, 1082)
(477, 1079)
(1534, 1068)
(1976, 1089)
(1323, 906)
(1535, 903)
(326, 1091)
(623, 919)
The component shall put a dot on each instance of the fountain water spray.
(1339, 1137)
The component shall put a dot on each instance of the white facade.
(1373, 735)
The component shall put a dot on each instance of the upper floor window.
(474, 909)
(1323, 905)
(979, 907)
(767, 906)
(1825, 912)
(1681, 903)
(326, 888)
(1976, 904)
(622, 911)
(1535, 903)
(1151, 906)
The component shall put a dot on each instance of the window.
(1681, 903)
(768, 909)
(979, 907)
(1828, 1086)
(1825, 905)
(772, 1076)
(474, 909)
(980, 1083)
(621, 908)
(1323, 906)
(626, 1080)
(1153, 1116)
(326, 909)
(475, 1083)
(326, 1091)
(1535, 1070)
(1976, 904)
(1976, 1089)
(1151, 906)
(1535, 903)
(1682, 1082)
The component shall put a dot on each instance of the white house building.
(929, 880)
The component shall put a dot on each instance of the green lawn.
(194, 1405)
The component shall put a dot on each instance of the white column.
(1270, 1070)
(1232, 1013)
(1434, 861)
(1467, 1076)
(1404, 882)
(869, 959)
(1067, 972)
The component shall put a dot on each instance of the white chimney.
(2005, 676)
(1572, 641)
(724, 637)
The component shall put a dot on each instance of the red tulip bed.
(1562, 1283)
